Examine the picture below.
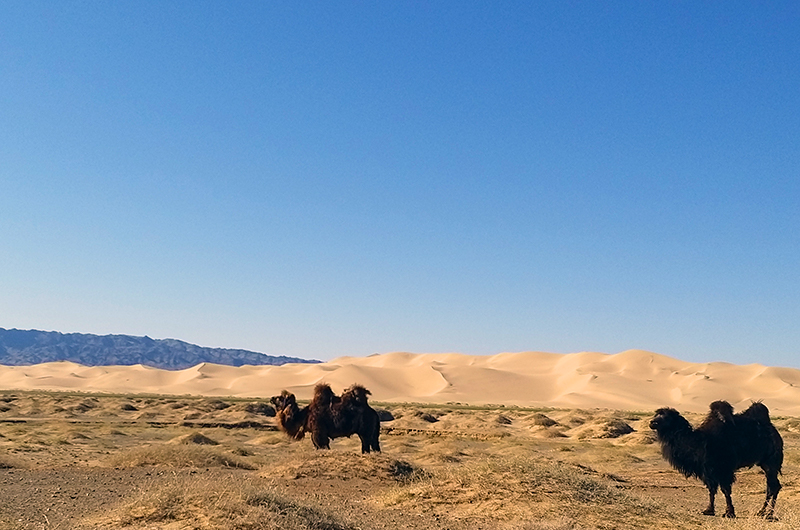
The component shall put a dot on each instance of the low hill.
(27, 347)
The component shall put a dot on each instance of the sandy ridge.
(631, 380)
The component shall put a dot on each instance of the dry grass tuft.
(544, 421)
(290, 511)
(210, 405)
(260, 408)
(615, 428)
(639, 438)
(193, 438)
(178, 456)
(548, 432)
(426, 416)
(503, 419)
(602, 428)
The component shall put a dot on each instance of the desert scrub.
(579, 484)
(226, 504)
(178, 456)
(340, 465)
(516, 488)
(287, 510)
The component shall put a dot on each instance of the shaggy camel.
(723, 443)
(329, 416)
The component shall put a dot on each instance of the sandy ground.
(74, 460)
(631, 380)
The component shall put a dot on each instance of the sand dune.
(631, 380)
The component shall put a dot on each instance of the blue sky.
(325, 179)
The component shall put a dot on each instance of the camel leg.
(320, 440)
(729, 512)
(773, 487)
(376, 445)
(364, 443)
(712, 492)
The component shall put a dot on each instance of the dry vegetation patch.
(205, 504)
(341, 465)
(193, 438)
(178, 456)
(543, 420)
(475, 467)
(602, 428)
(12, 462)
(518, 488)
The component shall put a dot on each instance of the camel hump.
(357, 394)
(757, 411)
(723, 410)
(323, 394)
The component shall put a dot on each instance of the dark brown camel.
(723, 443)
(329, 416)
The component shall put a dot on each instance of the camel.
(329, 416)
(721, 444)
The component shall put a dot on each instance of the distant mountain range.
(25, 347)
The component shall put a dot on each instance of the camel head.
(286, 399)
(668, 420)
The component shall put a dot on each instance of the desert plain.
(534, 441)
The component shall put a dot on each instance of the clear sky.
(320, 179)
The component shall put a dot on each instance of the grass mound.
(602, 428)
(543, 489)
(205, 504)
(178, 456)
(544, 421)
(193, 438)
(345, 465)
